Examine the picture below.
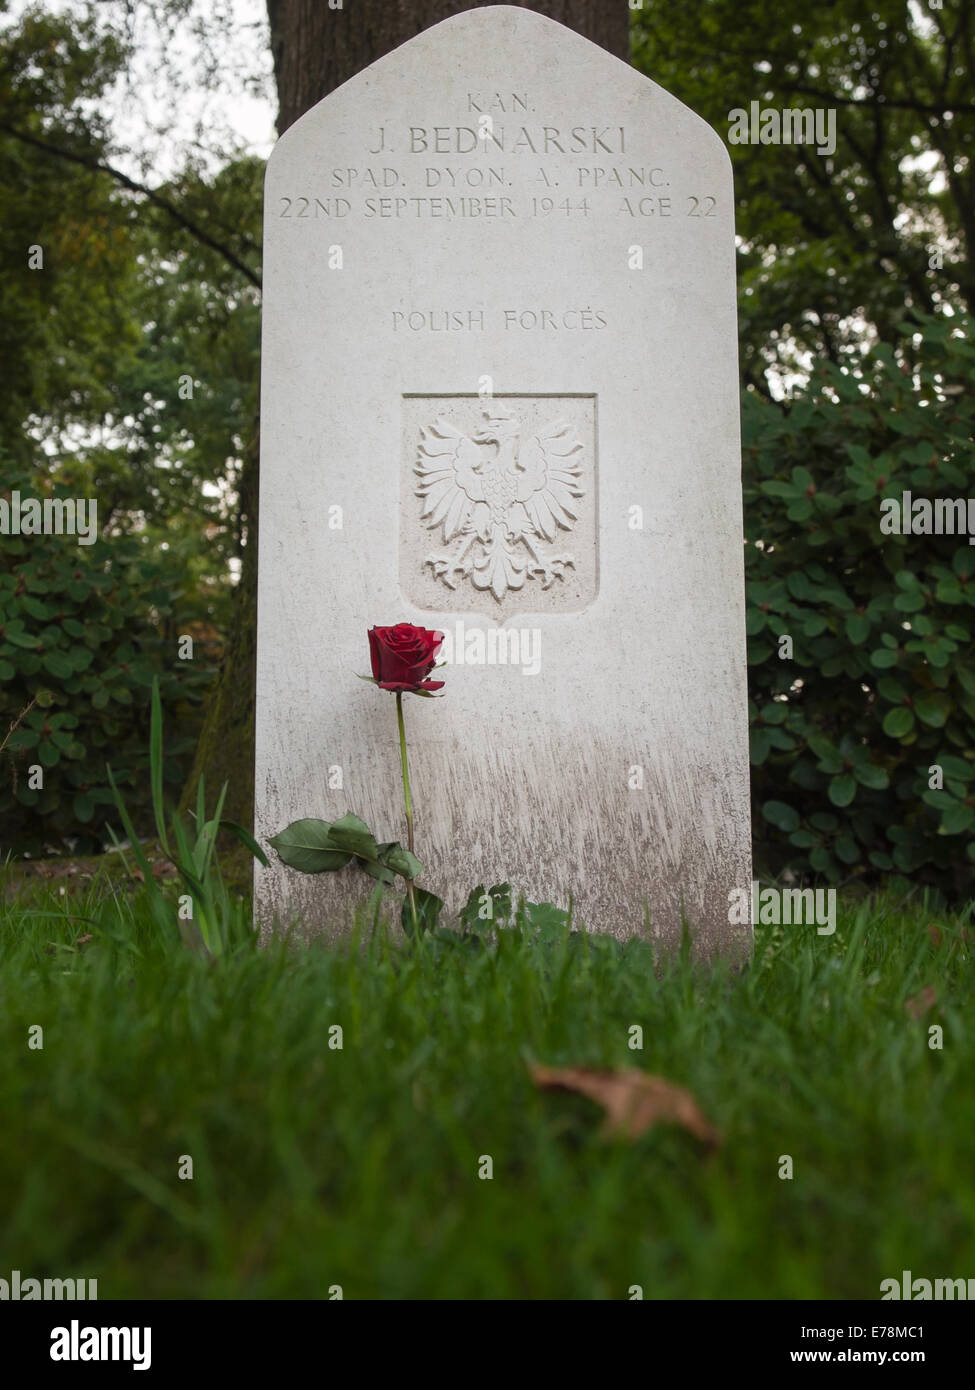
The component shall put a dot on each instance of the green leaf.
(842, 789)
(823, 749)
(58, 664)
(857, 628)
(400, 860)
(781, 815)
(548, 920)
(306, 845)
(40, 611)
(898, 722)
(776, 489)
(847, 850)
(760, 745)
(245, 838)
(22, 739)
(377, 870)
(134, 841)
(156, 767)
(958, 819)
(352, 834)
(932, 710)
(48, 754)
(891, 690)
(428, 909)
(19, 638)
(476, 914)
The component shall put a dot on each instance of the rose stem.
(407, 801)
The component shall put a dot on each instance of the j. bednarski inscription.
(465, 139)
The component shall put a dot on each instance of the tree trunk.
(225, 752)
(316, 48)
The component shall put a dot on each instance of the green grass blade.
(129, 829)
(156, 768)
(245, 838)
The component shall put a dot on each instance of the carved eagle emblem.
(500, 499)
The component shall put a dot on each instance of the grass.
(315, 1167)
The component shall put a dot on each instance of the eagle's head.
(499, 425)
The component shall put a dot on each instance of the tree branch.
(894, 105)
(187, 223)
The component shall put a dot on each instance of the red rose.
(403, 656)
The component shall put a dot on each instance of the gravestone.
(500, 399)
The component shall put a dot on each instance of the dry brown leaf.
(962, 935)
(633, 1100)
(919, 1004)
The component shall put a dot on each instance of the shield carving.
(498, 504)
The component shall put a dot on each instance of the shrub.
(879, 693)
(83, 631)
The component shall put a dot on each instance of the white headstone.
(500, 277)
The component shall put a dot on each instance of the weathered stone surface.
(533, 443)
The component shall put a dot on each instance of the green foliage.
(834, 245)
(321, 847)
(219, 922)
(318, 847)
(84, 631)
(427, 907)
(881, 685)
(132, 354)
(486, 906)
(66, 327)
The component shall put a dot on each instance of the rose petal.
(403, 656)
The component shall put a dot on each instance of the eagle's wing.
(547, 474)
(449, 485)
